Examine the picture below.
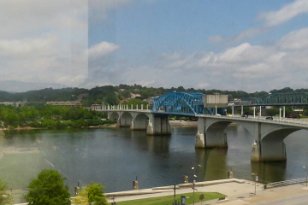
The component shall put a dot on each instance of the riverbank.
(173, 123)
(237, 192)
(112, 125)
(183, 123)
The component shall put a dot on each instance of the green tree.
(48, 189)
(91, 194)
(5, 198)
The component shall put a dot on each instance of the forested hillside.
(118, 94)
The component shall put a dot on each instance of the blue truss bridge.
(268, 134)
(193, 104)
(181, 103)
(276, 99)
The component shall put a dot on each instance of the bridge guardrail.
(285, 183)
(277, 120)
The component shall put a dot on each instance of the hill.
(118, 94)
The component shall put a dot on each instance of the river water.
(115, 157)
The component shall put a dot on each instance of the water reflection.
(115, 157)
(269, 172)
(159, 144)
(213, 163)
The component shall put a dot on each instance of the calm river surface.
(115, 157)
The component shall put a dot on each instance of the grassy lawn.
(168, 200)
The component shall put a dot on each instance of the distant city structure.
(15, 104)
(218, 102)
(65, 103)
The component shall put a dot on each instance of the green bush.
(48, 189)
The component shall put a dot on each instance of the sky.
(208, 44)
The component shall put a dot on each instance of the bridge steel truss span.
(180, 103)
(278, 99)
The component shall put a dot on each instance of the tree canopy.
(49, 116)
(91, 194)
(48, 189)
(5, 197)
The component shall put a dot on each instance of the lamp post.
(306, 174)
(194, 180)
(256, 178)
(174, 194)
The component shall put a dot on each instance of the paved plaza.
(237, 191)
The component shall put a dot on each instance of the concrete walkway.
(229, 187)
(237, 191)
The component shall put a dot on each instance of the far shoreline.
(173, 123)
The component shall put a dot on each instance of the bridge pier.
(256, 152)
(200, 136)
(158, 125)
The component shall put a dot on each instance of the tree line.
(48, 188)
(117, 94)
(49, 116)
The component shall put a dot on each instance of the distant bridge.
(268, 134)
(276, 99)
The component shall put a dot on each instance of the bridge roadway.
(268, 134)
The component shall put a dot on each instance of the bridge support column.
(200, 136)
(158, 125)
(284, 112)
(242, 110)
(256, 152)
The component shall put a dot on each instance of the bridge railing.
(285, 183)
(121, 107)
(143, 108)
(277, 120)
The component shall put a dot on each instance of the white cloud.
(269, 20)
(29, 17)
(44, 42)
(24, 47)
(286, 13)
(39, 60)
(295, 40)
(99, 8)
(242, 36)
(102, 49)
(245, 66)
